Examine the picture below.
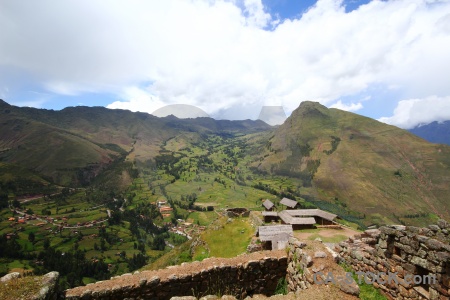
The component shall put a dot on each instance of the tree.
(16, 203)
(102, 244)
(46, 243)
(3, 199)
(31, 237)
(158, 243)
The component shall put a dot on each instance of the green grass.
(201, 253)
(19, 264)
(202, 218)
(367, 291)
(230, 239)
(176, 256)
(282, 287)
(87, 280)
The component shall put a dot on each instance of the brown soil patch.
(315, 292)
(326, 232)
(318, 291)
(324, 291)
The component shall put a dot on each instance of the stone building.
(275, 237)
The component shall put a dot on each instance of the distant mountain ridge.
(435, 132)
(73, 145)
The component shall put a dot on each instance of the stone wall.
(237, 212)
(307, 267)
(240, 277)
(256, 219)
(406, 253)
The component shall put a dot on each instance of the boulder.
(10, 276)
(352, 288)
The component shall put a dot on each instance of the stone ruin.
(237, 212)
(410, 262)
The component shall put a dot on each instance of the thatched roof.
(289, 219)
(312, 213)
(270, 214)
(275, 232)
(268, 204)
(288, 202)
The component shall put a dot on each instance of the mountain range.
(343, 159)
(435, 132)
(72, 146)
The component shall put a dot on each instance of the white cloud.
(138, 100)
(221, 56)
(347, 107)
(413, 112)
(256, 14)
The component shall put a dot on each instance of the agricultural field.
(177, 198)
(226, 237)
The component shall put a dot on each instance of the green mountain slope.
(74, 145)
(55, 153)
(376, 169)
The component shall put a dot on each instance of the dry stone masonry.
(307, 267)
(240, 277)
(410, 262)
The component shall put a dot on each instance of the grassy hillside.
(385, 173)
(62, 156)
(74, 145)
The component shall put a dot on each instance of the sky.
(388, 60)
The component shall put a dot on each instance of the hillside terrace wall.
(405, 251)
(256, 273)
